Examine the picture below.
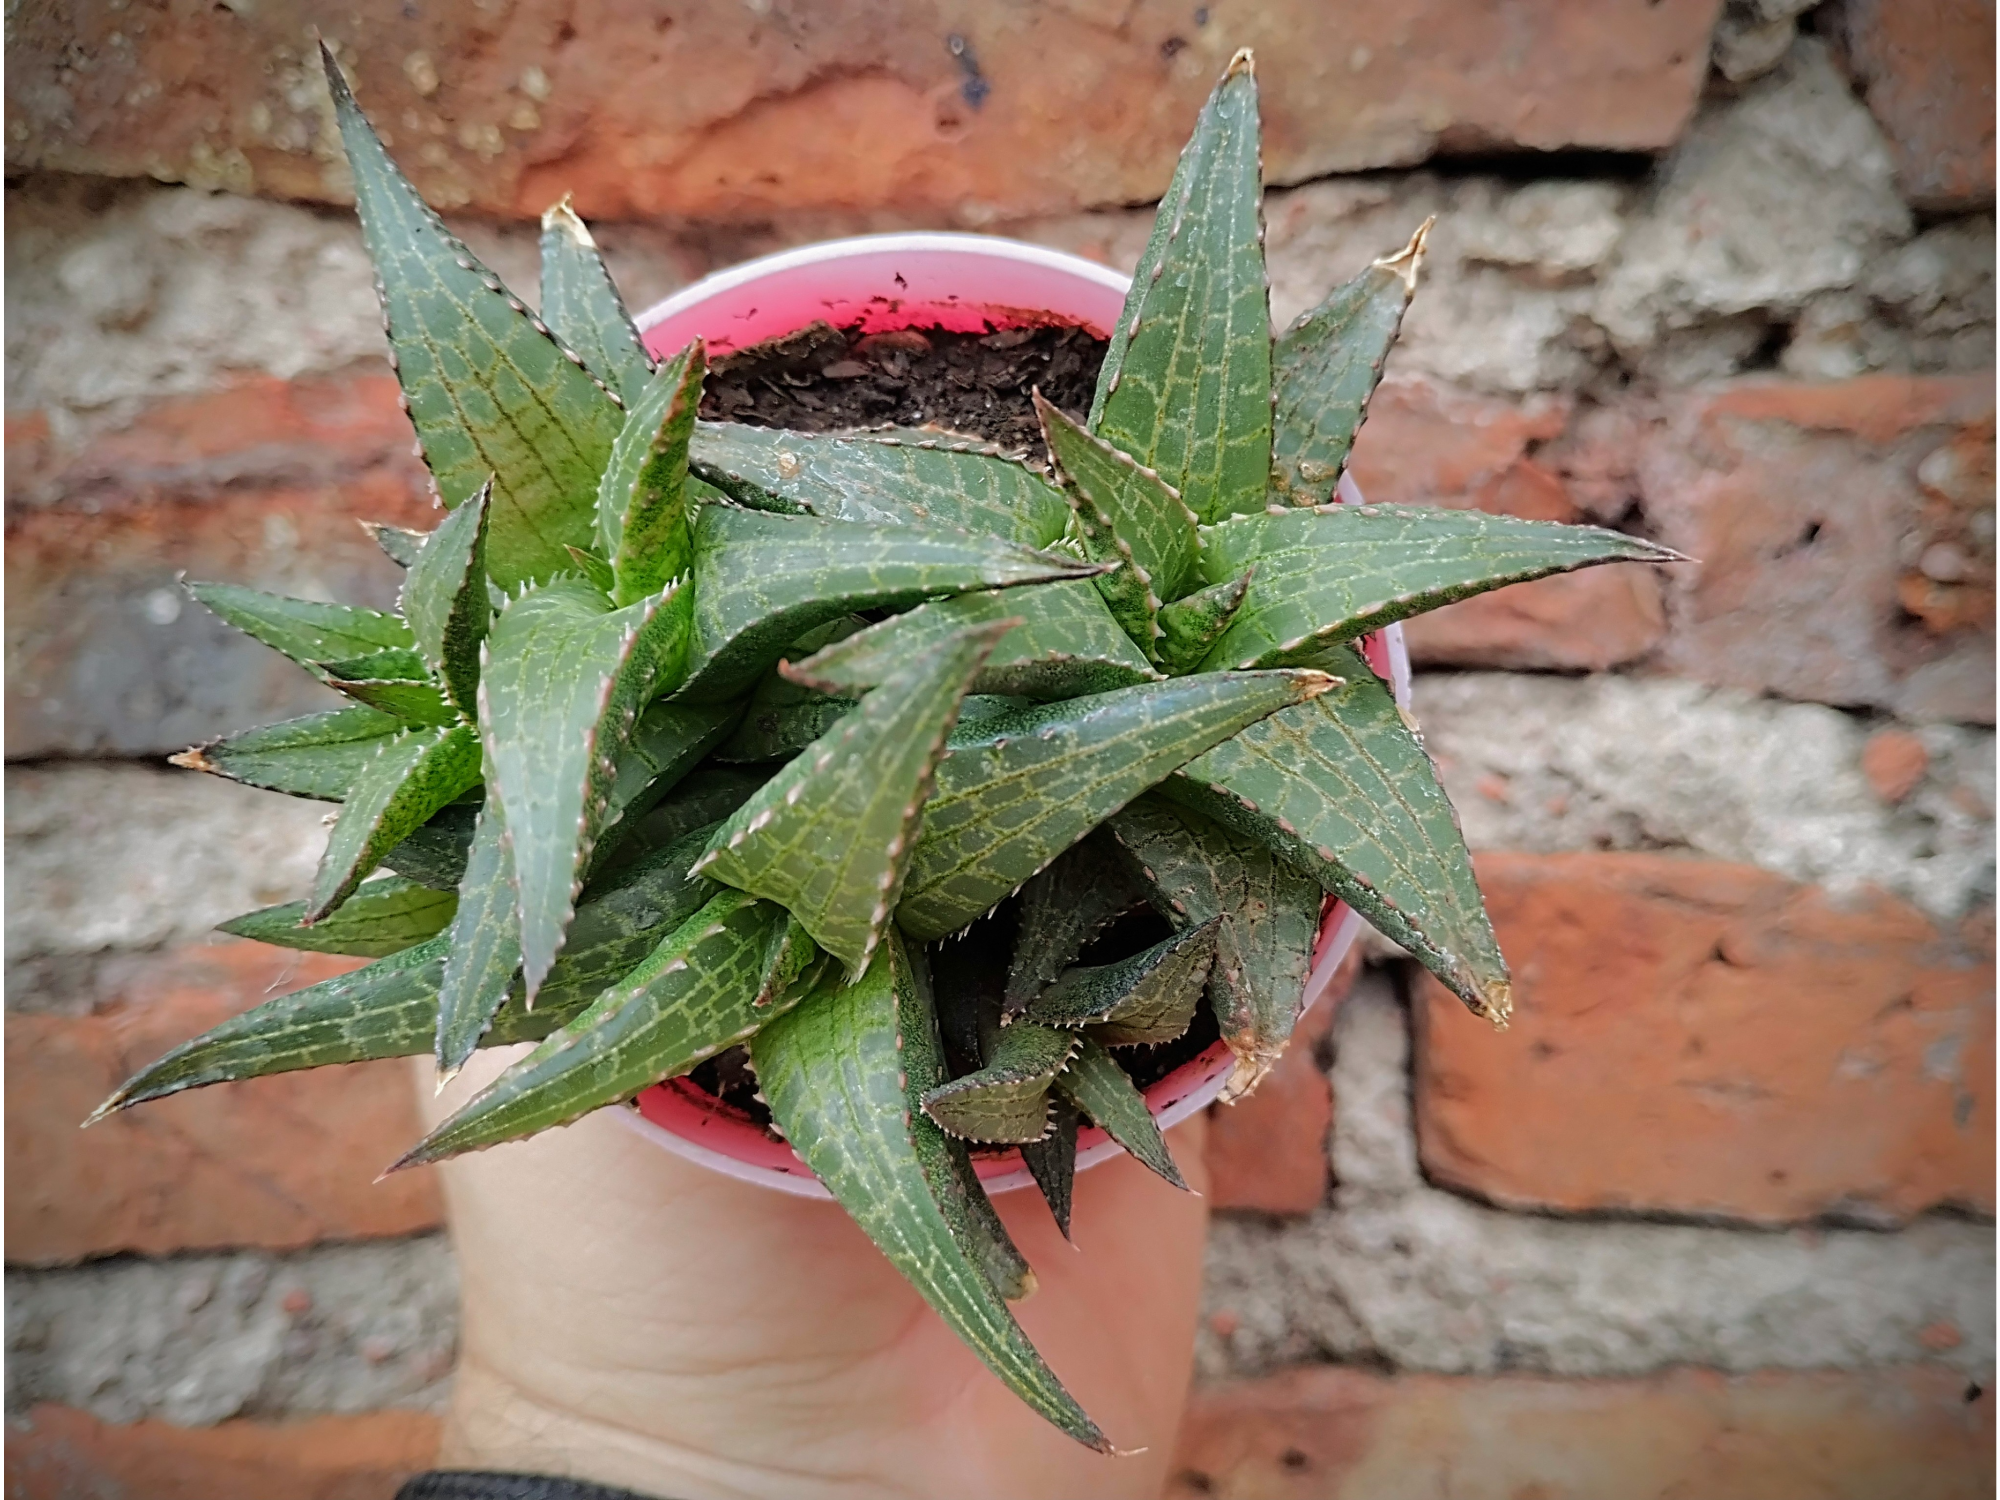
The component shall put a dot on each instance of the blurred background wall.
(1714, 1219)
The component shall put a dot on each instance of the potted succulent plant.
(909, 801)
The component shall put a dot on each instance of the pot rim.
(672, 1114)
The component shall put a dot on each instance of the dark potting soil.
(822, 379)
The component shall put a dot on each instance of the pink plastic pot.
(967, 283)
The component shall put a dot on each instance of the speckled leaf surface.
(389, 1008)
(1326, 366)
(381, 917)
(1095, 1084)
(1344, 790)
(694, 995)
(1135, 519)
(581, 305)
(1020, 787)
(561, 691)
(1067, 644)
(396, 681)
(763, 580)
(955, 1187)
(485, 943)
(700, 800)
(1200, 871)
(1190, 627)
(668, 741)
(643, 506)
(1333, 572)
(831, 835)
(1007, 1100)
(781, 719)
(444, 599)
(316, 756)
(435, 854)
(1142, 1000)
(306, 630)
(1186, 383)
(830, 1070)
(1062, 909)
(907, 477)
(490, 391)
(409, 778)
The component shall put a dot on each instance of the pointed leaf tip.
(1407, 261)
(1244, 61)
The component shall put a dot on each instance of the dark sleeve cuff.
(469, 1484)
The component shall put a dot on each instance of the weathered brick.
(273, 1162)
(1894, 761)
(1427, 444)
(1698, 1037)
(727, 113)
(58, 1453)
(1925, 69)
(261, 484)
(1267, 1153)
(1845, 539)
(1345, 1434)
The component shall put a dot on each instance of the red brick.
(261, 484)
(1894, 761)
(1344, 1434)
(1267, 1153)
(1705, 1038)
(57, 1453)
(1425, 444)
(1926, 69)
(1819, 515)
(723, 112)
(272, 1162)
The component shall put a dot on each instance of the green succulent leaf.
(1062, 909)
(1190, 627)
(594, 571)
(1067, 644)
(398, 543)
(1128, 514)
(435, 854)
(831, 835)
(303, 629)
(397, 681)
(1139, 1001)
(581, 305)
(667, 743)
(830, 1070)
(1051, 1161)
(1342, 789)
(1186, 383)
(1007, 1100)
(781, 719)
(389, 1008)
(700, 800)
(316, 756)
(490, 391)
(1018, 788)
(642, 501)
(763, 580)
(947, 1168)
(485, 943)
(564, 682)
(886, 477)
(381, 917)
(1095, 1084)
(445, 602)
(409, 778)
(1333, 572)
(1269, 913)
(1326, 366)
(694, 995)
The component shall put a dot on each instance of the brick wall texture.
(1714, 1218)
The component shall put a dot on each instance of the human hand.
(637, 1320)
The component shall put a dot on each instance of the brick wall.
(1715, 1217)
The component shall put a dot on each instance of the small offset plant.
(692, 736)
